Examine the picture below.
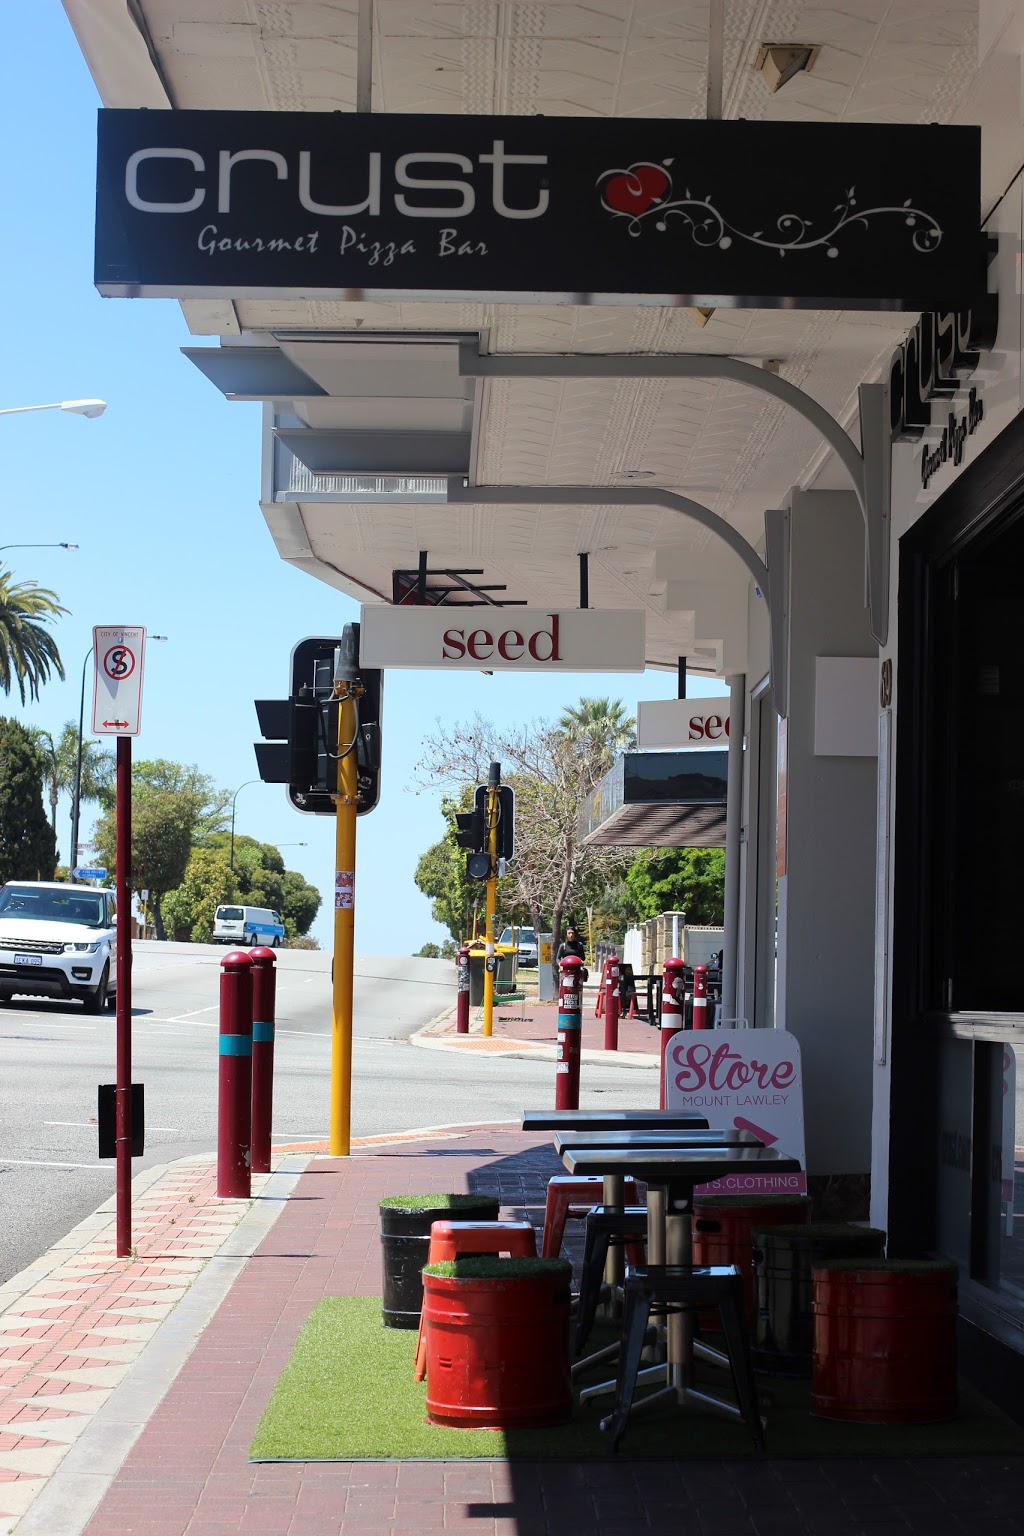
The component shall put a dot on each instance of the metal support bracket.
(460, 490)
(869, 471)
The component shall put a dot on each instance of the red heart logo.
(634, 191)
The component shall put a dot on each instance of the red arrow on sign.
(115, 722)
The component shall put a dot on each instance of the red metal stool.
(568, 1196)
(450, 1239)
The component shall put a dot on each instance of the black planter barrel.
(405, 1222)
(783, 1260)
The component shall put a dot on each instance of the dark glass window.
(977, 779)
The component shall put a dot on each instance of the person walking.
(572, 944)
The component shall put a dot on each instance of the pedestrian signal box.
(301, 750)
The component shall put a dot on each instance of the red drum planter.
(885, 1341)
(497, 1345)
(723, 1233)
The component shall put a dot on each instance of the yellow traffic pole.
(347, 689)
(491, 962)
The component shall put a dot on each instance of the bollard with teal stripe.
(264, 993)
(234, 1099)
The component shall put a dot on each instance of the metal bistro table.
(611, 1120)
(642, 1140)
(671, 1175)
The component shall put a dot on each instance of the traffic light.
(472, 832)
(302, 731)
(506, 818)
(471, 829)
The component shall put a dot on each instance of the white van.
(247, 926)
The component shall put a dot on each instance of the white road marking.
(90, 1125)
(42, 1021)
(31, 1162)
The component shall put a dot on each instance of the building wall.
(826, 895)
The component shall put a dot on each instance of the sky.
(162, 495)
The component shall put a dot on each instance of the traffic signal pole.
(347, 690)
(491, 962)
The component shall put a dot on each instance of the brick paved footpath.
(188, 1475)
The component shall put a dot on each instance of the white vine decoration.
(648, 185)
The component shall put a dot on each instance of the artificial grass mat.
(347, 1394)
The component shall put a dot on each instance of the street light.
(90, 408)
(234, 797)
(37, 546)
(76, 807)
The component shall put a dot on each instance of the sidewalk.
(529, 1029)
(167, 1455)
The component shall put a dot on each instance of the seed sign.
(503, 639)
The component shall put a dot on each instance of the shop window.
(976, 812)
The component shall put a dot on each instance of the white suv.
(57, 941)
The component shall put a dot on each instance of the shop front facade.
(948, 1047)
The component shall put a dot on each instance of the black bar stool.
(606, 1228)
(675, 1288)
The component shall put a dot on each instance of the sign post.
(119, 651)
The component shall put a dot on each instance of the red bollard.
(672, 993)
(700, 997)
(570, 1028)
(462, 999)
(234, 1098)
(264, 995)
(611, 1006)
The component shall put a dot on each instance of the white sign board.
(748, 1079)
(503, 639)
(667, 724)
(118, 653)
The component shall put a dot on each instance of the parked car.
(525, 941)
(58, 941)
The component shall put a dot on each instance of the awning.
(659, 800)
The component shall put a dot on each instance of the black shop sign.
(535, 209)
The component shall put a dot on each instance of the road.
(52, 1056)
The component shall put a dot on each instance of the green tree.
(690, 880)
(208, 805)
(189, 909)
(441, 874)
(28, 652)
(300, 906)
(428, 952)
(259, 879)
(552, 773)
(61, 758)
(163, 829)
(27, 842)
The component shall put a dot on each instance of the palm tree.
(602, 720)
(28, 652)
(61, 760)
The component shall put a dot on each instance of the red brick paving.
(188, 1474)
(539, 1025)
